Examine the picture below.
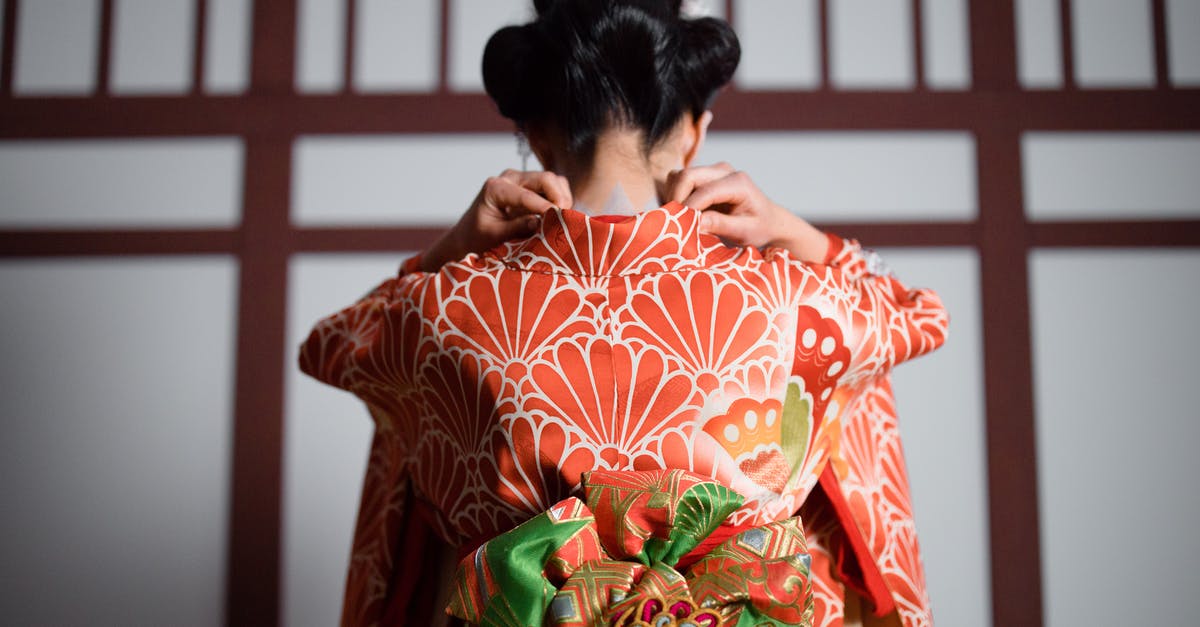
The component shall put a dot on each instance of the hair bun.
(585, 65)
(708, 57)
(508, 61)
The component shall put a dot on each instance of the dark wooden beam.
(290, 114)
(104, 51)
(1066, 34)
(252, 594)
(1007, 351)
(103, 242)
(8, 51)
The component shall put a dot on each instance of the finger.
(550, 185)
(732, 189)
(520, 227)
(513, 200)
(736, 229)
(681, 183)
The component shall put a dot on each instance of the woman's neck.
(620, 180)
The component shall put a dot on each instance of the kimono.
(632, 344)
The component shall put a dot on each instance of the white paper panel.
(1039, 43)
(1111, 175)
(1183, 42)
(1114, 43)
(870, 44)
(1114, 344)
(857, 176)
(472, 23)
(939, 398)
(117, 397)
(396, 45)
(227, 46)
(946, 44)
(56, 47)
(399, 179)
(780, 44)
(140, 182)
(152, 46)
(320, 45)
(326, 441)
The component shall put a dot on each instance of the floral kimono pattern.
(638, 344)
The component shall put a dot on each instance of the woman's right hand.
(734, 209)
(508, 206)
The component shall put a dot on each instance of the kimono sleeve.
(887, 321)
(356, 349)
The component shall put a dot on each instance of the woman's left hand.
(736, 210)
(507, 207)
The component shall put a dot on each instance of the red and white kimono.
(634, 343)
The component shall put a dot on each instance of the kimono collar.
(571, 242)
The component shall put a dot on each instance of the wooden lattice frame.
(996, 110)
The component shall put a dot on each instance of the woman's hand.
(734, 209)
(508, 206)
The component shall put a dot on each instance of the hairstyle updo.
(583, 66)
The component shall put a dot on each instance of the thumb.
(732, 228)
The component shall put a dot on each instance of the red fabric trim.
(411, 265)
(856, 565)
(612, 219)
(836, 244)
(672, 206)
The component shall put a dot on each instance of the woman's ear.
(699, 130)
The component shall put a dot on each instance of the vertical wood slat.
(1008, 382)
(1003, 246)
(1162, 62)
(348, 42)
(105, 47)
(823, 37)
(918, 45)
(199, 45)
(8, 52)
(1066, 30)
(1008, 363)
(993, 46)
(253, 566)
(444, 47)
(253, 575)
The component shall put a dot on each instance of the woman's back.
(716, 334)
(634, 344)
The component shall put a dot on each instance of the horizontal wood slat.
(291, 114)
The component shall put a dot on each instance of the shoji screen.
(187, 185)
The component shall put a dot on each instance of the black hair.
(583, 66)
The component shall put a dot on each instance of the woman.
(626, 313)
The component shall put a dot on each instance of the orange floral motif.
(643, 344)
